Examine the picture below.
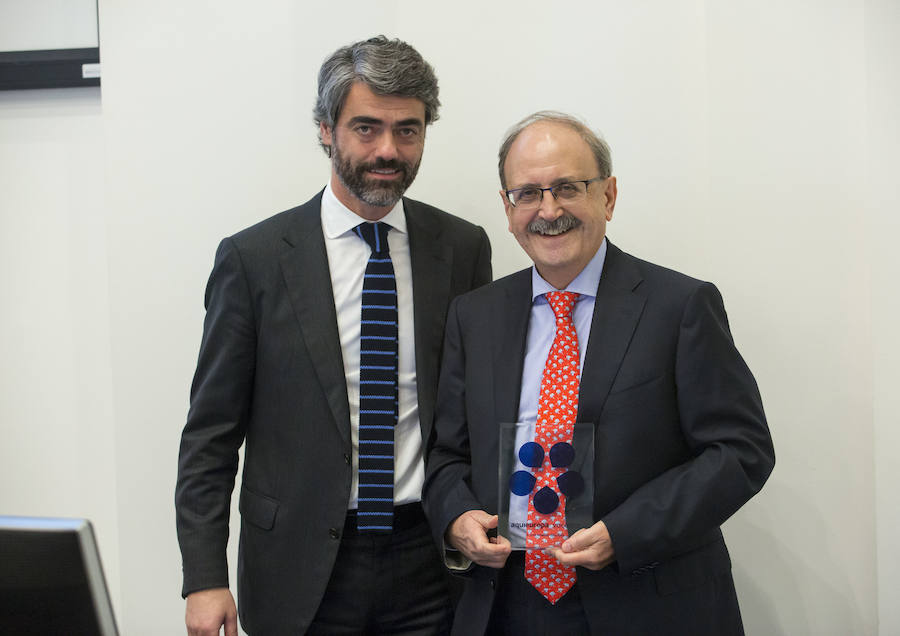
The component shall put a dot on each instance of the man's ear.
(610, 193)
(325, 133)
(508, 208)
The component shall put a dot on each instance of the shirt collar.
(585, 284)
(338, 219)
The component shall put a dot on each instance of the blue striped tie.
(377, 384)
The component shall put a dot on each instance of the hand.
(468, 534)
(589, 547)
(208, 610)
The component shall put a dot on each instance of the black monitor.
(51, 579)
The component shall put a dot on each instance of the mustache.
(558, 225)
(385, 164)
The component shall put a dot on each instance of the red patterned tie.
(557, 409)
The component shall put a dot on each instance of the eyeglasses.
(531, 196)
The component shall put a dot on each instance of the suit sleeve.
(722, 421)
(447, 493)
(483, 271)
(215, 428)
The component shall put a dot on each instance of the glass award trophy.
(528, 505)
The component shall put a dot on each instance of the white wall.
(753, 145)
(56, 421)
(883, 104)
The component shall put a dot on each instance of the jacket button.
(493, 583)
(346, 459)
(333, 533)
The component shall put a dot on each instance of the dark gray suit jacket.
(270, 375)
(681, 442)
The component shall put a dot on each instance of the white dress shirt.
(347, 258)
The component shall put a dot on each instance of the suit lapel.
(617, 310)
(509, 319)
(308, 281)
(432, 265)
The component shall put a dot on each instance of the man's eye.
(566, 189)
(408, 132)
(364, 130)
(528, 194)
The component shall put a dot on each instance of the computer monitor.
(51, 579)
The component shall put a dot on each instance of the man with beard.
(320, 351)
(643, 357)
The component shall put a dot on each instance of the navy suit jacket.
(681, 441)
(270, 375)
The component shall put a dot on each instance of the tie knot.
(375, 234)
(561, 303)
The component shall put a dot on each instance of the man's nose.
(386, 148)
(550, 208)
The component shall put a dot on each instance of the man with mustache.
(320, 353)
(643, 357)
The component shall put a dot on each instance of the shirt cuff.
(455, 560)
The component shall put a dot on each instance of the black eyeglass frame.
(552, 189)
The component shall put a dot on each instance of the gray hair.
(388, 67)
(596, 143)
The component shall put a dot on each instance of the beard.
(373, 191)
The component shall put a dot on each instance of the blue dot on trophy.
(561, 455)
(531, 454)
(545, 501)
(570, 483)
(521, 482)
